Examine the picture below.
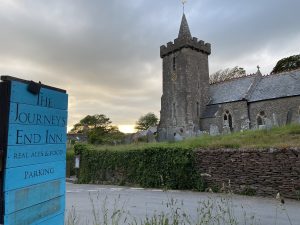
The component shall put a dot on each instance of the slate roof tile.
(268, 87)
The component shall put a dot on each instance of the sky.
(106, 53)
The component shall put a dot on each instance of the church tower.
(185, 84)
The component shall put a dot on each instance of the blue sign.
(35, 154)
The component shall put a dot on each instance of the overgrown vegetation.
(146, 121)
(287, 64)
(70, 162)
(227, 74)
(170, 165)
(277, 137)
(213, 210)
(98, 129)
(152, 166)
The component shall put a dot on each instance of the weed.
(212, 211)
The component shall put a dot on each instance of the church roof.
(210, 111)
(184, 31)
(230, 91)
(277, 86)
(256, 88)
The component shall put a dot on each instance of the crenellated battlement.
(178, 44)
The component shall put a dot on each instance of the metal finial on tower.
(183, 3)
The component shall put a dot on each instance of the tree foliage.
(146, 121)
(98, 129)
(287, 64)
(227, 74)
(92, 122)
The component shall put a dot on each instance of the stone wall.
(276, 110)
(261, 172)
(238, 111)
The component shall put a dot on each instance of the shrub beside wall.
(156, 167)
(70, 164)
(263, 172)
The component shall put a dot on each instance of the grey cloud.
(106, 53)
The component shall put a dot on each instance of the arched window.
(228, 120)
(259, 121)
(289, 116)
(260, 118)
(225, 117)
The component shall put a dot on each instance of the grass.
(278, 137)
(212, 211)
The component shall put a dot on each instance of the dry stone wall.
(260, 172)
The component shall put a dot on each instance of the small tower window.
(174, 110)
(198, 109)
(174, 63)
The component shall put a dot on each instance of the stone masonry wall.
(238, 111)
(276, 110)
(264, 172)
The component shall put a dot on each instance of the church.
(190, 105)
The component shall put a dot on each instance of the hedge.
(70, 163)
(151, 167)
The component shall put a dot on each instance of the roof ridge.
(252, 87)
(282, 73)
(234, 78)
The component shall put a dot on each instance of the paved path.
(140, 202)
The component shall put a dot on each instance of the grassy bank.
(278, 137)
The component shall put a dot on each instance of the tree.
(98, 129)
(92, 122)
(287, 64)
(227, 74)
(110, 136)
(146, 121)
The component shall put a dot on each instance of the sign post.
(33, 127)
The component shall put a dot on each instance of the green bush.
(153, 166)
(70, 163)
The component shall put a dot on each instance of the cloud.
(106, 53)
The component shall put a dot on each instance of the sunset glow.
(126, 128)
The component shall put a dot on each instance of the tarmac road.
(139, 203)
